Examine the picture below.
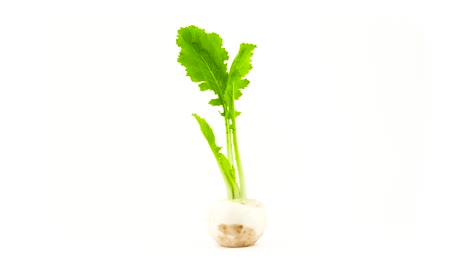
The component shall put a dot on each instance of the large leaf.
(204, 58)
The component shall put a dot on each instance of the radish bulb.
(236, 224)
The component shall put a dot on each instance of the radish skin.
(236, 224)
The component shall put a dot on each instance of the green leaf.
(208, 133)
(204, 58)
(240, 67)
(227, 169)
(215, 102)
(229, 116)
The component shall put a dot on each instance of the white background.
(353, 131)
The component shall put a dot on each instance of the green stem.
(235, 190)
(231, 193)
(243, 194)
(228, 139)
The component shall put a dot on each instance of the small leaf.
(227, 169)
(239, 69)
(208, 133)
(216, 102)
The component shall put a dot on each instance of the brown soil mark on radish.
(251, 202)
(236, 236)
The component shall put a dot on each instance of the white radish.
(237, 221)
